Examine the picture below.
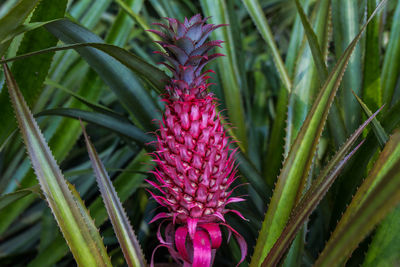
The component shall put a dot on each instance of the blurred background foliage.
(266, 84)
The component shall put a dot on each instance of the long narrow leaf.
(138, 20)
(23, 29)
(372, 91)
(118, 125)
(128, 88)
(149, 72)
(313, 43)
(313, 196)
(64, 137)
(296, 166)
(125, 184)
(86, 245)
(345, 28)
(391, 63)
(128, 130)
(377, 127)
(228, 67)
(7, 199)
(122, 227)
(32, 72)
(13, 19)
(309, 76)
(257, 14)
(384, 248)
(379, 193)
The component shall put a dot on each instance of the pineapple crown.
(187, 52)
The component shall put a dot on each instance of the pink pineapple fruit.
(195, 166)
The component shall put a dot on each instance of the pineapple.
(195, 166)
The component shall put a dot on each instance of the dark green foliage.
(280, 59)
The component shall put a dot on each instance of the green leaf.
(313, 42)
(13, 19)
(295, 169)
(7, 199)
(391, 62)
(228, 67)
(310, 75)
(372, 91)
(313, 196)
(118, 125)
(353, 176)
(67, 131)
(128, 89)
(147, 71)
(125, 184)
(257, 14)
(295, 43)
(376, 125)
(87, 102)
(345, 28)
(73, 220)
(32, 72)
(17, 244)
(376, 197)
(123, 24)
(276, 144)
(23, 29)
(122, 227)
(138, 19)
(384, 248)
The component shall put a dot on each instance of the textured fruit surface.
(194, 165)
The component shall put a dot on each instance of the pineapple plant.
(174, 150)
(195, 165)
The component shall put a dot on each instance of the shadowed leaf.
(7, 199)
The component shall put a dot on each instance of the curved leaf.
(32, 72)
(257, 14)
(118, 125)
(372, 91)
(7, 199)
(75, 223)
(125, 184)
(377, 127)
(128, 88)
(384, 248)
(378, 194)
(228, 67)
(13, 19)
(149, 72)
(127, 129)
(296, 166)
(122, 227)
(391, 63)
(313, 196)
(23, 29)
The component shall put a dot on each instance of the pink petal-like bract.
(194, 164)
